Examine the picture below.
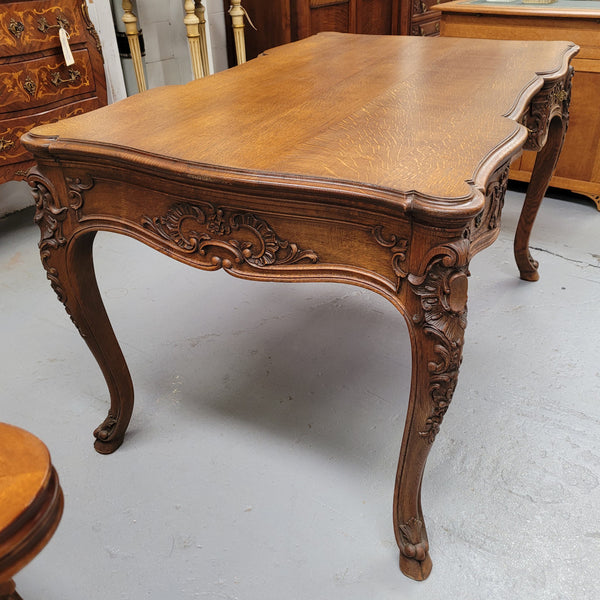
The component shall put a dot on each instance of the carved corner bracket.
(551, 101)
(398, 247)
(51, 217)
(489, 218)
(442, 290)
(228, 237)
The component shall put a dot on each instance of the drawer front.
(11, 130)
(27, 27)
(423, 7)
(43, 81)
(426, 27)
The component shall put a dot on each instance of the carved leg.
(438, 307)
(544, 166)
(70, 269)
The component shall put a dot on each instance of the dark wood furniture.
(31, 503)
(282, 21)
(384, 166)
(578, 169)
(36, 86)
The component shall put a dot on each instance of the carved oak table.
(378, 161)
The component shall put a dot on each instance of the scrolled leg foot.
(415, 561)
(528, 266)
(108, 436)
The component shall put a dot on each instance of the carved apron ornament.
(551, 101)
(398, 247)
(244, 237)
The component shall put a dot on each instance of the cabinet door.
(281, 21)
(377, 16)
(313, 16)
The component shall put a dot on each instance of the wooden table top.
(25, 470)
(378, 116)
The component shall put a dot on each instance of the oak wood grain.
(31, 502)
(384, 166)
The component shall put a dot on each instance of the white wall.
(167, 58)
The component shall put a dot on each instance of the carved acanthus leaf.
(49, 217)
(240, 237)
(489, 218)
(443, 297)
(552, 100)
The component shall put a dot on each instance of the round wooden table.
(31, 503)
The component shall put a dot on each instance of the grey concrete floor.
(261, 455)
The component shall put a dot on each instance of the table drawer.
(27, 27)
(426, 26)
(423, 7)
(11, 130)
(44, 80)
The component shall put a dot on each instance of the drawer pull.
(44, 26)
(30, 86)
(16, 28)
(57, 80)
(5, 144)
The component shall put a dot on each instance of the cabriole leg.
(438, 309)
(543, 168)
(68, 261)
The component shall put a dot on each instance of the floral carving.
(495, 193)
(489, 218)
(398, 247)
(442, 290)
(49, 217)
(413, 545)
(553, 100)
(76, 186)
(202, 229)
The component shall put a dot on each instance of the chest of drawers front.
(36, 84)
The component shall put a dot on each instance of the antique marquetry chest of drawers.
(36, 84)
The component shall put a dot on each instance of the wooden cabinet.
(36, 85)
(281, 21)
(578, 168)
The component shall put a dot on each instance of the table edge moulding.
(578, 169)
(315, 180)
